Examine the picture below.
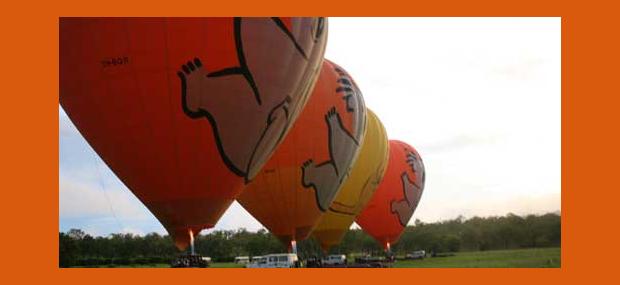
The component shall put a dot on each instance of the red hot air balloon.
(187, 110)
(397, 196)
(304, 175)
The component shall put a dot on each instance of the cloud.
(235, 217)
(458, 142)
(65, 126)
(492, 205)
(132, 230)
(523, 69)
(84, 200)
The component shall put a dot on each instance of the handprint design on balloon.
(412, 189)
(256, 90)
(326, 177)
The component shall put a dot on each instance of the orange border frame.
(30, 208)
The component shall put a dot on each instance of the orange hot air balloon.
(396, 197)
(304, 175)
(358, 189)
(185, 110)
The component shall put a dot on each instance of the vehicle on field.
(280, 260)
(313, 262)
(419, 254)
(257, 262)
(334, 260)
(191, 260)
(242, 259)
(370, 261)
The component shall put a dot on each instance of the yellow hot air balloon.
(365, 176)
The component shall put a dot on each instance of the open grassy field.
(536, 257)
(226, 265)
(529, 258)
(164, 265)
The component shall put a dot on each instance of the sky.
(479, 98)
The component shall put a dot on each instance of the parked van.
(420, 254)
(280, 260)
(334, 259)
(257, 262)
(242, 259)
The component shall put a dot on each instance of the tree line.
(478, 233)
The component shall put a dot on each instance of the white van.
(242, 259)
(335, 259)
(419, 254)
(280, 260)
(257, 262)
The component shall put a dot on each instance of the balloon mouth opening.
(185, 236)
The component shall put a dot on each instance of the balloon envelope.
(397, 196)
(186, 110)
(305, 173)
(357, 190)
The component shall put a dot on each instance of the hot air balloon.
(397, 196)
(357, 190)
(185, 111)
(304, 175)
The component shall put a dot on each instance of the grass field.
(529, 258)
(164, 265)
(536, 257)
(226, 265)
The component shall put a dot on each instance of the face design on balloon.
(255, 90)
(413, 190)
(327, 176)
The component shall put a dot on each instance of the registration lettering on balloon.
(326, 177)
(257, 89)
(412, 189)
(114, 61)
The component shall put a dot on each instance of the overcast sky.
(479, 98)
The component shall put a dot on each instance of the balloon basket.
(190, 261)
